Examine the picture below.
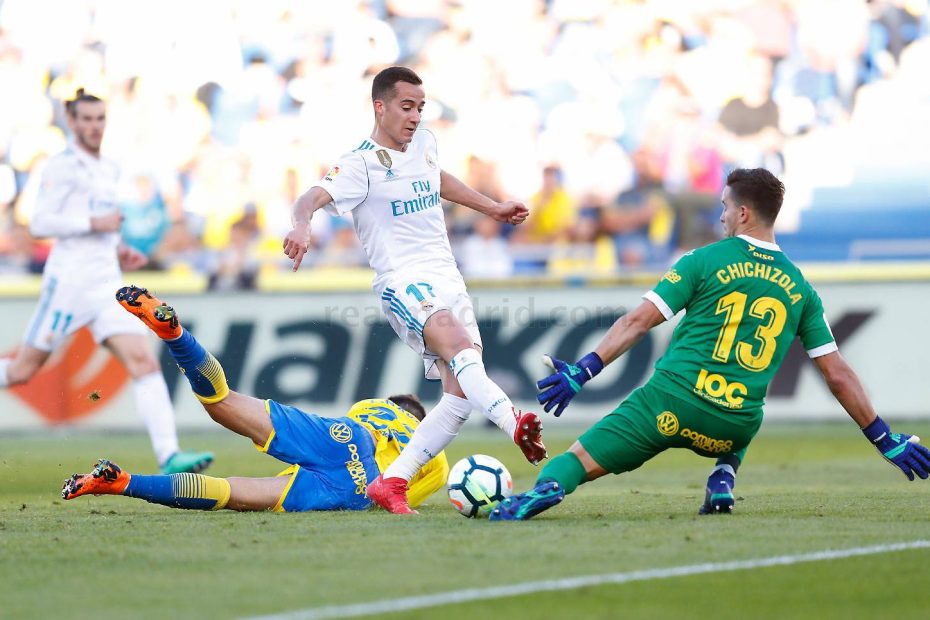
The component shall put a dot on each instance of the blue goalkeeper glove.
(559, 388)
(902, 450)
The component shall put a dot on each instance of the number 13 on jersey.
(753, 356)
(767, 309)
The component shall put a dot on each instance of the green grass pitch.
(803, 488)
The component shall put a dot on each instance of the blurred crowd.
(616, 121)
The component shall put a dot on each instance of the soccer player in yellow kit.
(331, 460)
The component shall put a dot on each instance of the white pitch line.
(571, 583)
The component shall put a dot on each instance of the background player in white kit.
(77, 206)
(392, 184)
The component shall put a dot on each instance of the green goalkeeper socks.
(565, 469)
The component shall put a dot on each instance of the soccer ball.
(477, 483)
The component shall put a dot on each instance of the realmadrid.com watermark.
(519, 313)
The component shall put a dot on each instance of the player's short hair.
(79, 96)
(409, 403)
(758, 189)
(384, 86)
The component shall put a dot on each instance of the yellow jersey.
(392, 428)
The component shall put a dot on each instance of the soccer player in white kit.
(392, 184)
(77, 206)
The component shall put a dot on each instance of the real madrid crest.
(384, 157)
(430, 159)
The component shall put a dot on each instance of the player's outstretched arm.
(297, 241)
(901, 450)
(559, 388)
(454, 190)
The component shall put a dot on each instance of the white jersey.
(75, 187)
(394, 200)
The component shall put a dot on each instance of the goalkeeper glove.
(902, 450)
(559, 388)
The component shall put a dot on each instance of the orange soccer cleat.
(106, 479)
(390, 494)
(158, 316)
(528, 436)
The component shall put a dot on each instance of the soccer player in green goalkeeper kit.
(745, 301)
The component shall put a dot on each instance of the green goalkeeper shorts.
(650, 421)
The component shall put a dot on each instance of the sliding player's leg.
(244, 415)
(185, 490)
(153, 404)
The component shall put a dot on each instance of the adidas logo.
(390, 174)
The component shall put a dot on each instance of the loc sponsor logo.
(716, 388)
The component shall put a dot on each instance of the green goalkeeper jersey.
(744, 303)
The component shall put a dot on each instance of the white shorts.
(64, 308)
(409, 301)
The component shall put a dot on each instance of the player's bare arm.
(297, 241)
(454, 190)
(846, 387)
(627, 331)
(900, 449)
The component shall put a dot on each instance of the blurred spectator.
(243, 102)
(7, 188)
(640, 214)
(343, 248)
(19, 254)
(145, 216)
(552, 210)
(587, 251)
(181, 250)
(484, 253)
(481, 175)
(237, 266)
(751, 136)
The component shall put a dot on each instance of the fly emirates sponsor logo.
(425, 199)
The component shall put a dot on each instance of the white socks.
(154, 406)
(432, 435)
(4, 364)
(483, 393)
